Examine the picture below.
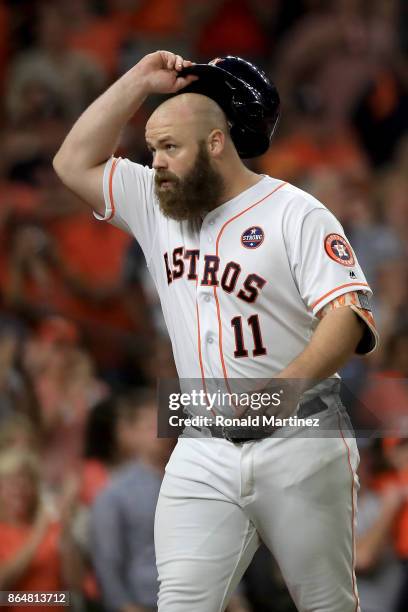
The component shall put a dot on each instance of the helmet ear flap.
(247, 140)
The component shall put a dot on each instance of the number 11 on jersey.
(240, 350)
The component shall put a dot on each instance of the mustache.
(165, 175)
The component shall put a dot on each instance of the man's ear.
(216, 142)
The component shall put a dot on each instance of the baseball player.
(256, 280)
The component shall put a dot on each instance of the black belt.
(232, 434)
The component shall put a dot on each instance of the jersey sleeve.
(324, 264)
(359, 303)
(130, 204)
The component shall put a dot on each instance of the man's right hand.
(159, 72)
(81, 160)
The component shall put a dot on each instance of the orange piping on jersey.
(336, 289)
(224, 369)
(112, 201)
(353, 518)
(200, 357)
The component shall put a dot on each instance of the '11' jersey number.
(240, 350)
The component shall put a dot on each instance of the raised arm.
(94, 137)
(18, 565)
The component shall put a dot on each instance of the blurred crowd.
(82, 340)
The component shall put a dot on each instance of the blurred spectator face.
(18, 486)
(397, 455)
(396, 201)
(75, 8)
(17, 432)
(391, 283)
(399, 357)
(135, 433)
(124, 5)
(37, 355)
(352, 21)
(59, 331)
(54, 347)
(329, 187)
(137, 436)
(37, 101)
(347, 7)
(30, 242)
(8, 349)
(52, 31)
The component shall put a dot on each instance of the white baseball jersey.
(240, 291)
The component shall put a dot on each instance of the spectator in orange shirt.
(113, 315)
(57, 271)
(67, 388)
(37, 283)
(36, 551)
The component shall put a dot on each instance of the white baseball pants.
(298, 494)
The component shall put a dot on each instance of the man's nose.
(159, 161)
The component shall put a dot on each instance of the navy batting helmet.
(248, 98)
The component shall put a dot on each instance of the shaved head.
(195, 111)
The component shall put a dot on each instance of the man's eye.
(170, 147)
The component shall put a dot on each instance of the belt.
(232, 434)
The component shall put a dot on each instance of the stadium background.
(81, 335)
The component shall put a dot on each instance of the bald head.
(189, 111)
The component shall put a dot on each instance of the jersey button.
(210, 340)
(211, 222)
(209, 239)
(207, 298)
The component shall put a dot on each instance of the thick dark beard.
(191, 197)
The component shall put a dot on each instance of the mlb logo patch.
(252, 237)
(338, 249)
